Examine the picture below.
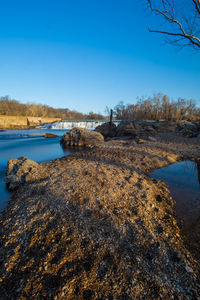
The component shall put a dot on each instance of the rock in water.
(21, 170)
(107, 129)
(81, 137)
(50, 135)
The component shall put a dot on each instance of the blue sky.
(86, 55)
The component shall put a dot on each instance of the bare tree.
(182, 20)
(158, 107)
(15, 108)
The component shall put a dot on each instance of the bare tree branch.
(186, 27)
(197, 5)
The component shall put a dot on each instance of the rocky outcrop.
(159, 126)
(164, 126)
(107, 129)
(126, 128)
(21, 170)
(80, 137)
(138, 129)
(134, 129)
(147, 132)
(188, 129)
(50, 135)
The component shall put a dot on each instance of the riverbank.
(20, 122)
(97, 226)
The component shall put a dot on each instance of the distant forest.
(10, 107)
(158, 107)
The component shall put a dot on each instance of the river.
(31, 144)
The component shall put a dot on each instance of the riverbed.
(98, 226)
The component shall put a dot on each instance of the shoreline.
(97, 225)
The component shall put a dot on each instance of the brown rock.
(81, 137)
(107, 129)
(50, 135)
(126, 128)
(21, 170)
(147, 131)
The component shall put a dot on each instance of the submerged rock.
(81, 137)
(21, 170)
(50, 135)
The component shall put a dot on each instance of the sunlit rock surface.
(81, 137)
(22, 170)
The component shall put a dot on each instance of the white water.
(83, 124)
(44, 126)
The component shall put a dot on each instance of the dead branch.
(185, 29)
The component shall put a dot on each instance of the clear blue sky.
(89, 54)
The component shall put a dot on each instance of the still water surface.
(183, 179)
(31, 144)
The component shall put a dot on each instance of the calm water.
(183, 180)
(31, 144)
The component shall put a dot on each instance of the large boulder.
(81, 137)
(107, 129)
(21, 170)
(126, 128)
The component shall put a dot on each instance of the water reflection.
(183, 180)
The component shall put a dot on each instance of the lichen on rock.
(21, 170)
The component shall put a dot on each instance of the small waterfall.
(90, 124)
(44, 126)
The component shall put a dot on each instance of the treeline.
(153, 108)
(158, 107)
(10, 107)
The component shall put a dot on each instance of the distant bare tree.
(158, 107)
(182, 20)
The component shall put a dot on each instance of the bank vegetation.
(158, 107)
